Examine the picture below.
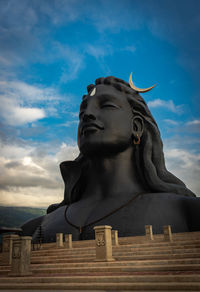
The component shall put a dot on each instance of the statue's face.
(105, 126)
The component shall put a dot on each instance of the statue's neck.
(113, 176)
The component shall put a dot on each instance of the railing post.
(68, 240)
(103, 243)
(167, 233)
(21, 255)
(114, 234)
(59, 240)
(149, 232)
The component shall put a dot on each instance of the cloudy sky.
(50, 50)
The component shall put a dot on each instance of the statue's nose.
(88, 117)
(90, 111)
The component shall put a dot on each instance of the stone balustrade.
(7, 244)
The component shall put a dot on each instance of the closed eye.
(109, 105)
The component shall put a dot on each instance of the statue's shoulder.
(30, 226)
(173, 197)
(173, 202)
(192, 209)
(175, 206)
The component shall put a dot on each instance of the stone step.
(156, 257)
(139, 266)
(119, 258)
(159, 237)
(109, 267)
(114, 269)
(124, 263)
(4, 267)
(95, 264)
(104, 279)
(141, 244)
(63, 260)
(4, 272)
(121, 252)
(139, 239)
(169, 252)
(62, 252)
(165, 253)
(153, 286)
(191, 236)
(149, 243)
(145, 242)
(119, 263)
(72, 251)
(71, 259)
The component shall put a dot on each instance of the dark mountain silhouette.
(16, 216)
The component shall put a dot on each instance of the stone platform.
(139, 265)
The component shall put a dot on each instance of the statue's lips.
(90, 127)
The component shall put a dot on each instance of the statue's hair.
(149, 156)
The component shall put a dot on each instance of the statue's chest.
(80, 218)
(91, 212)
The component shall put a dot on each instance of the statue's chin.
(102, 149)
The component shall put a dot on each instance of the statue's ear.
(138, 126)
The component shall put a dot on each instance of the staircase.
(139, 265)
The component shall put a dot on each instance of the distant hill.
(16, 216)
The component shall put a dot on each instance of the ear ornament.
(136, 142)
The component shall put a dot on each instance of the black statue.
(119, 178)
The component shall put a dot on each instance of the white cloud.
(24, 92)
(70, 123)
(31, 176)
(61, 11)
(168, 104)
(21, 102)
(194, 122)
(130, 49)
(193, 126)
(31, 197)
(74, 114)
(116, 18)
(67, 152)
(185, 166)
(98, 51)
(5, 61)
(15, 116)
(171, 122)
(72, 59)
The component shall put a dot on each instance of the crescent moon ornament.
(139, 89)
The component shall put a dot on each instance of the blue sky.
(51, 50)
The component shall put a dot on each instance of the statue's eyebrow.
(105, 96)
(102, 98)
(108, 97)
